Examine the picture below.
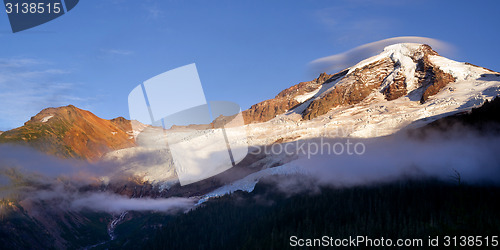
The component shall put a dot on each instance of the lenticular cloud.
(349, 58)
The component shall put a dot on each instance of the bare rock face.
(397, 89)
(70, 132)
(403, 69)
(284, 101)
(438, 81)
(122, 123)
(352, 89)
(432, 79)
(268, 109)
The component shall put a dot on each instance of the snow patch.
(46, 118)
(461, 71)
(248, 183)
(306, 96)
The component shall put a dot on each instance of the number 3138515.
(33, 8)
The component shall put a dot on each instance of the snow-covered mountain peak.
(406, 83)
(404, 54)
(410, 71)
(412, 50)
(403, 47)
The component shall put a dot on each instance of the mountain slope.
(285, 100)
(402, 69)
(71, 132)
(408, 70)
(406, 84)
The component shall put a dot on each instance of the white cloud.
(17, 62)
(27, 86)
(117, 52)
(153, 12)
(113, 203)
(349, 58)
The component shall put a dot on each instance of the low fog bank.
(113, 203)
(34, 178)
(474, 156)
(66, 198)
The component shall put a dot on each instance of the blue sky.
(245, 51)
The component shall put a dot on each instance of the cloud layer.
(113, 203)
(472, 154)
(33, 176)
